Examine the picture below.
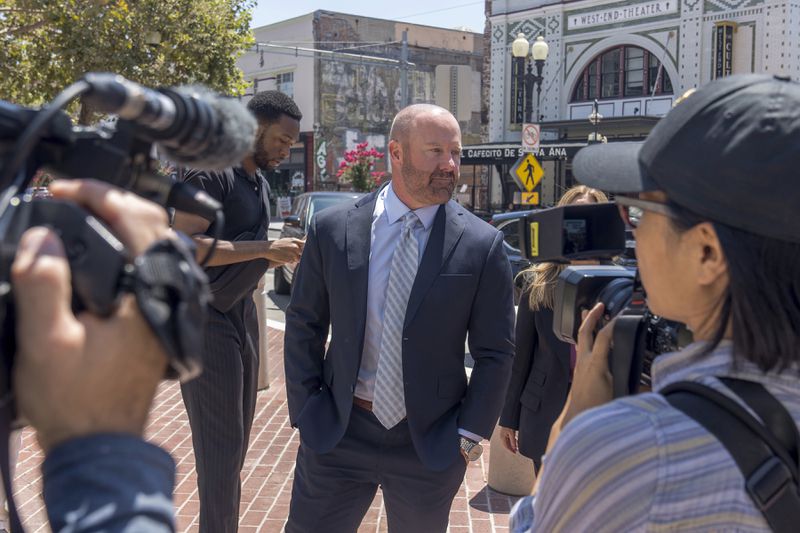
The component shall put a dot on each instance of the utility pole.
(404, 70)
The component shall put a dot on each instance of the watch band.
(471, 449)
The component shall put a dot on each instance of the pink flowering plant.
(358, 168)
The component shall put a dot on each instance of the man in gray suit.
(401, 277)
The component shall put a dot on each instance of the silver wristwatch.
(471, 449)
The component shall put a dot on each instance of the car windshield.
(324, 202)
(511, 234)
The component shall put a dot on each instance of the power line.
(329, 55)
(366, 46)
(272, 41)
(439, 10)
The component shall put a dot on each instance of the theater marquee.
(625, 13)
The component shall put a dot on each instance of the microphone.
(191, 125)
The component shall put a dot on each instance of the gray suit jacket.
(463, 285)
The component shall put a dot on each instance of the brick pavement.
(268, 470)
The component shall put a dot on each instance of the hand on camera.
(80, 375)
(591, 381)
(286, 250)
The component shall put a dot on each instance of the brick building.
(351, 74)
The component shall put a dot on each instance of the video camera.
(597, 232)
(190, 125)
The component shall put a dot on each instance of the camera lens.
(616, 295)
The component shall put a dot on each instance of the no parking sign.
(530, 137)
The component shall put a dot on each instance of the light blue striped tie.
(389, 404)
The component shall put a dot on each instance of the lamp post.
(595, 117)
(538, 51)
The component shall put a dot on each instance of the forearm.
(307, 324)
(108, 482)
(304, 352)
(230, 252)
(491, 344)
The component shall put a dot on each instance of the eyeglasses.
(632, 209)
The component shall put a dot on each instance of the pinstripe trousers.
(221, 404)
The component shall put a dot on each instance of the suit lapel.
(445, 233)
(357, 238)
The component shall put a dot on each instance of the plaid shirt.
(638, 464)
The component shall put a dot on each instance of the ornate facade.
(635, 57)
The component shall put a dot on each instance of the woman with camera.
(543, 364)
(713, 195)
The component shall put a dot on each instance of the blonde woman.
(543, 364)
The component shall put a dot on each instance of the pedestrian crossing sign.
(528, 173)
(530, 198)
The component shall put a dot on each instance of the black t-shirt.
(245, 203)
(245, 199)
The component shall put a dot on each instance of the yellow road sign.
(530, 198)
(528, 172)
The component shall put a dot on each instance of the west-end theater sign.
(624, 13)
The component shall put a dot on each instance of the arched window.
(622, 72)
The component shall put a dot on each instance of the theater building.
(633, 57)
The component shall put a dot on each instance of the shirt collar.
(689, 365)
(396, 209)
(258, 176)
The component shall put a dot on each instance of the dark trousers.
(220, 404)
(332, 492)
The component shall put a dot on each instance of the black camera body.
(597, 232)
(96, 257)
(171, 290)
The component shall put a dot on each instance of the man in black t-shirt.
(221, 401)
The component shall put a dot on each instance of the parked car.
(305, 206)
(509, 224)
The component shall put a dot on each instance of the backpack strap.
(770, 470)
(773, 414)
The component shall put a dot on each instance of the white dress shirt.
(384, 236)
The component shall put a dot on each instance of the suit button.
(405, 338)
(352, 388)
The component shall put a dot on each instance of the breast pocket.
(456, 275)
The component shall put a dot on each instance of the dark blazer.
(463, 285)
(539, 380)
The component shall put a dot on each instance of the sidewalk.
(268, 470)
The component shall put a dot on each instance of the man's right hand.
(286, 250)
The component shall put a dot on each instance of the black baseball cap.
(730, 152)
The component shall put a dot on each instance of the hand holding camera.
(66, 362)
(591, 381)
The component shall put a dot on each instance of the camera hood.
(573, 232)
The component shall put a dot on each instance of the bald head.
(425, 152)
(403, 122)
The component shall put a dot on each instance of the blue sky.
(446, 14)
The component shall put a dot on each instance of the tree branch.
(24, 29)
(20, 10)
